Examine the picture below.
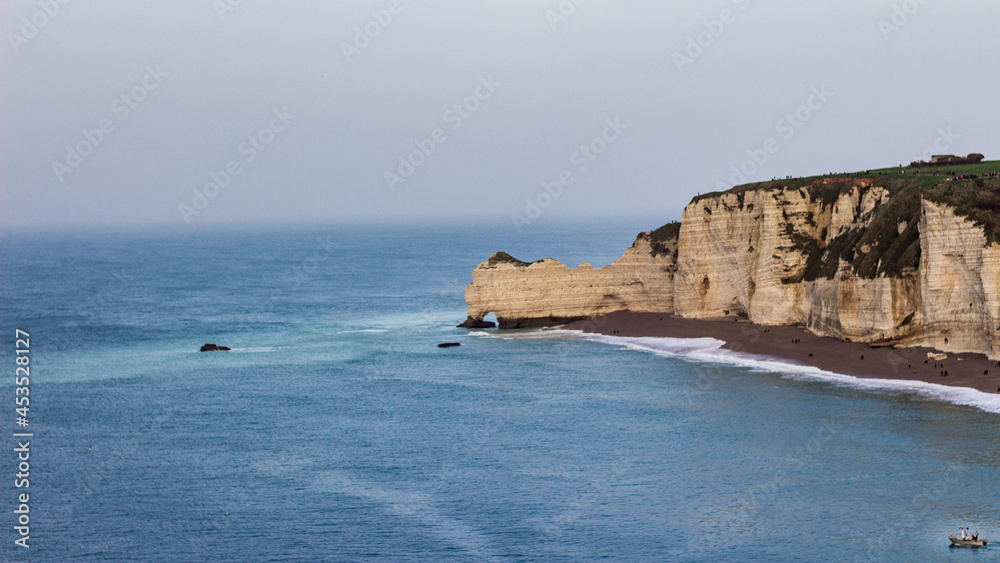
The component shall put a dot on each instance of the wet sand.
(796, 345)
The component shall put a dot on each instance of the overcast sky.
(317, 107)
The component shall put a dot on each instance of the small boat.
(959, 542)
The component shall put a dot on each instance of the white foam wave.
(256, 349)
(365, 330)
(710, 350)
(410, 320)
(479, 334)
(672, 347)
(537, 334)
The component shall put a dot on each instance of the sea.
(336, 429)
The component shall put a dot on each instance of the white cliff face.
(738, 257)
(746, 254)
(849, 307)
(883, 310)
(548, 292)
(959, 279)
(835, 257)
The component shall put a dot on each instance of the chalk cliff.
(547, 292)
(885, 260)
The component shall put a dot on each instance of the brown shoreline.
(794, 344)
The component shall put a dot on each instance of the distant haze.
(207, 112)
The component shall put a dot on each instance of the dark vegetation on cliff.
(664, 240)
(827, 193)
(879, 249)
(979, 200)
(890, 243)
(504, 258)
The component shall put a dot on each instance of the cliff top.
(504, 258)
(663, 241)
(827, 187)
(888, 244)
(973, 190)
(900, 177)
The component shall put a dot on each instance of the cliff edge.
(547, 292)
(891, 259)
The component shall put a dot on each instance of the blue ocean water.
(336, 430)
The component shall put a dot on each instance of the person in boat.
(975, 536)
(964, 534)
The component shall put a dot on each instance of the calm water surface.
(337, 430)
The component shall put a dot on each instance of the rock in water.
(214, 348)
(449, 345)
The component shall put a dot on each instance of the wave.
(710, 350)
(365, 330)
(420, 320)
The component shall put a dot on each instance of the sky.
(186, 112)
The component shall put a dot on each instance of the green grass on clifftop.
(981, 169)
